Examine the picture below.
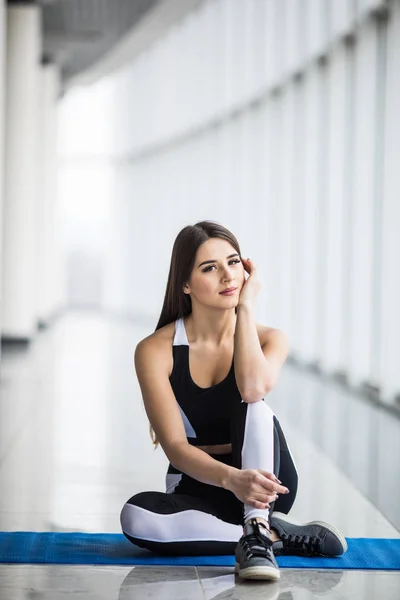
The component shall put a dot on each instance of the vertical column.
(284, 204)
(389, 307)
(333, 242)
(298, 201)
(47, 292)
(2, 88)
(362, 203)
(19, 227)
(308, 292)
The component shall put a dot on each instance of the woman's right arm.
(164, 415)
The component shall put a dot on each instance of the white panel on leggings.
(258, 447)
(184, 526)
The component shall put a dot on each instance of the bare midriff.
(217, 449)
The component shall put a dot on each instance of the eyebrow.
(213, 261)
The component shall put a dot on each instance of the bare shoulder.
(153, 361)
(157, 346)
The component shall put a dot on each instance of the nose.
(227, 274)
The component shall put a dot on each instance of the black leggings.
(202, 519)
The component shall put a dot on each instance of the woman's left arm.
(257, 361)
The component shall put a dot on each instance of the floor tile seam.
(201, 583)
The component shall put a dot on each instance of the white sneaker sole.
(258, 572)
(332, 529)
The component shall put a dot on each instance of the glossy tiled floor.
(72, 429)
(189, 583)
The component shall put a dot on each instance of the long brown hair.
(177, 304)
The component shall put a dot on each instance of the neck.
(216, 329)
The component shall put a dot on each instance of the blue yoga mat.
(115, 549)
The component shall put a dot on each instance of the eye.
(234, 261)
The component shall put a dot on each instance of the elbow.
(250, 399)
(251, 396)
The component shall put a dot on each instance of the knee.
(260, 409)
(142, 499)
(131, 514)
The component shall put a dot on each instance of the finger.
(264, 492)
(271, 486)
(258, 493)
(247, 263)
(252, 265)
(265, 497)
(269, 475)
(258, 504)
(264, 476)
(265, 484)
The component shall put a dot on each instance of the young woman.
(204, 375)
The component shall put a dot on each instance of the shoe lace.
(257, 543)
(306, 543)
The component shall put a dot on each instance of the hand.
(252, 285)
(255, 487)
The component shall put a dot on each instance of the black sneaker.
(306, 539)
(254, 556)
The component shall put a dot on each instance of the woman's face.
(217, 266)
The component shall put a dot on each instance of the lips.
(229, 290)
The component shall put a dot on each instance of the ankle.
(259, 520)
(274, 535)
